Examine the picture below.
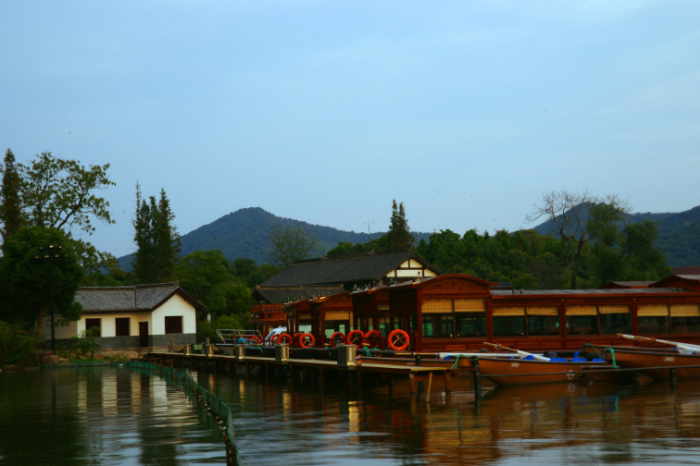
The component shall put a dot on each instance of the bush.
(84, 344)
(16, 345)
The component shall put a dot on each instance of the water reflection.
(116, 416)
(606, 422)
(99, 416)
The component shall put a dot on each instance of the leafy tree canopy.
(290, 243)
(25, 283)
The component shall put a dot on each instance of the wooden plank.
(430, 385)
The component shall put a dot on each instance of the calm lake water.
(116, 416)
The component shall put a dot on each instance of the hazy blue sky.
(467, 111)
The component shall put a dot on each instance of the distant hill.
(679, 234)
(243, 234)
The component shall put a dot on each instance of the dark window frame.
(99, 325)
(174, 325)
(122, 326)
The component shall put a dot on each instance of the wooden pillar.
(448, 382)
(430, 385)
(412, 386)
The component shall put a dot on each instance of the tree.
(399, 235)
(11, 208)
(289, 243)
(156, 238)
(204, 275)
(569, 214)
(25, 282)
(58, 193)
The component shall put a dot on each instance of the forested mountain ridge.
(244, 234)
(679, 234)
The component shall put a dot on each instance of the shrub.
(16, 345)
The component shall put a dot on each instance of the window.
(95, 325)
(652, 318)
(543, 321)
(509, 322)
(470, 324)
(581, 320)
(122, 326)
(173, 324)
(685, 318)
(437, 326)
(615, 319)
(383, 323)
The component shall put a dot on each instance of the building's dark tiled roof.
(611, 291)
(687, 270)
(285, 294)
(633, 284)
(503, 286)
(126, 298)
(346, 268)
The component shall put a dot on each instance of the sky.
(465, 111)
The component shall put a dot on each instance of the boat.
(537, 369)
(654, 362)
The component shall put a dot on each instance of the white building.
(144, 316)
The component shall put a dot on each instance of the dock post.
(419, 363)
(448, 382)
(430, 385)
(477, 379)
(672, 376)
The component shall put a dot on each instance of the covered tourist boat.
(456, 313)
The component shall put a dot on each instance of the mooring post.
(477, 379)
(419, 363)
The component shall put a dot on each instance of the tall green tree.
(11, 208)
(569, 214)
(399, 235)
(25, 281)
(156, 238)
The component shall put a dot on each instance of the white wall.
(108, 322)
(61, 332)
(175, 306)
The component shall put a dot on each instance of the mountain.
(679, 234)
(243, 234)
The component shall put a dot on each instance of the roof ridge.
(373, 252)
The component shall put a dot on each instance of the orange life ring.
(306, 340)
(255, 340)
(284, 339)
(397, 337)
(337, 336)
(273, 340)
(355, 337)
(373, 338)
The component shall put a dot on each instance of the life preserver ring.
(255, 340)
(398, 340)
(355, 337)
(337, 337)
(273, 340)
(373, 338)
(284, 339)
(306, 340)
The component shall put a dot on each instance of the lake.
(117, 416)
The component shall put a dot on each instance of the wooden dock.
(355, 372)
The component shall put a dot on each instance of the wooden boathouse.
(457, 313)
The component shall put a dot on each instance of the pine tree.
(11, 209)
(156, 238)
(399, 235)
(166, 239)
